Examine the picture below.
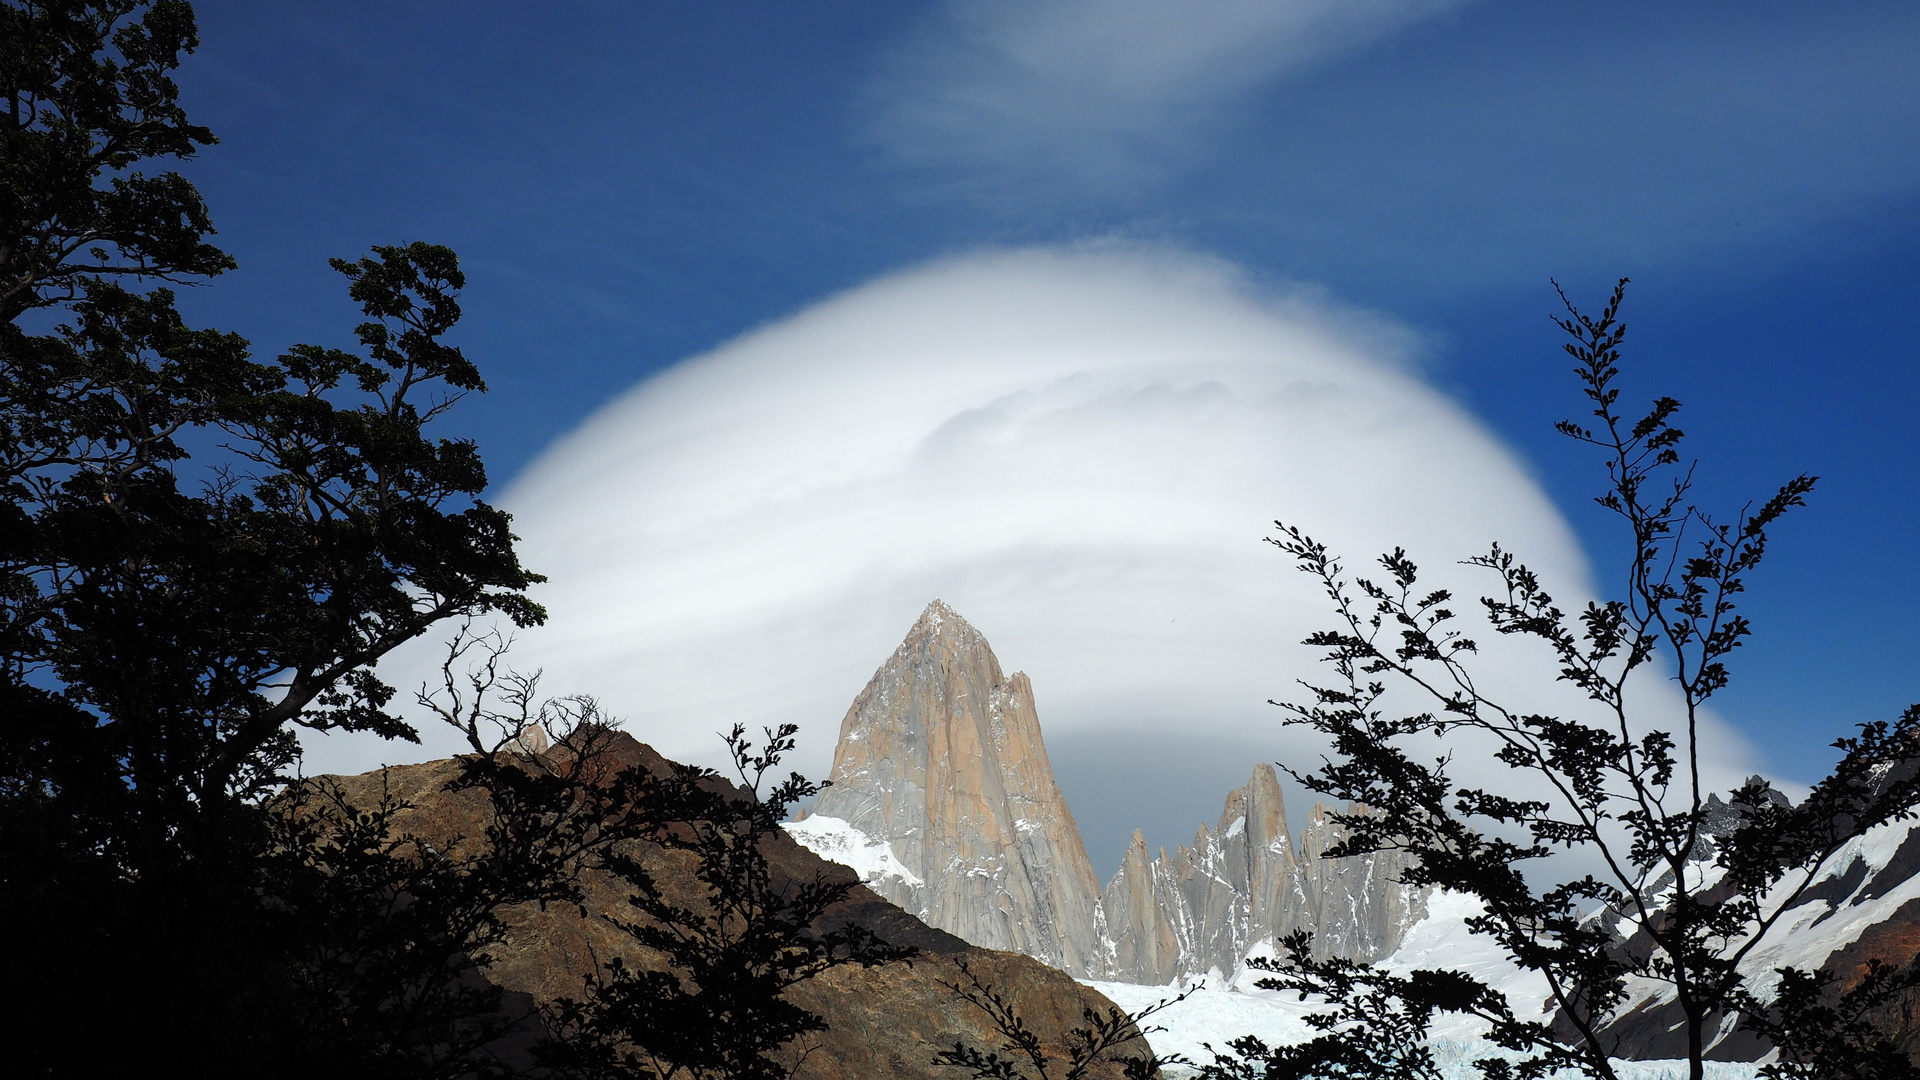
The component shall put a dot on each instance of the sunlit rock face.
(941, 756)
(943, 797)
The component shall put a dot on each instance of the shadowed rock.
(888, 1020)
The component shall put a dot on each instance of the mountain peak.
(938, 613)
(941, 756)
(1241, 883)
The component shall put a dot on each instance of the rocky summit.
(940, 757)
(943, 798)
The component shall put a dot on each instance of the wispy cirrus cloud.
(1100, 95)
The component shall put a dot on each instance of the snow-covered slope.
(1221, 1010)
(1217, 1015)
(1864, 903)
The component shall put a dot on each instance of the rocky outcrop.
(1206, 904)
(1241, 884)
(943, 798)
(941, 756)
(888, 1020)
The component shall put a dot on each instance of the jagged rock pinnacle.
(1240, 885)
(941, 755)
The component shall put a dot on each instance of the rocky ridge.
(943, 797)
(889, 1020)
(1864, 906)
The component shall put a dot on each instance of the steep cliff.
(941, 757)
(1356, 906)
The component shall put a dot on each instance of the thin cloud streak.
(1079, 450)
(1490, 147)
(1107, 96)
(1498, 159)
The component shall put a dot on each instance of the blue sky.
(629, 185)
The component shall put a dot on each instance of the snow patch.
(1214, 1014)
(1441, 941)
(834, 840)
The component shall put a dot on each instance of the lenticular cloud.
(1080, 451)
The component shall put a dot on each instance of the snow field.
(1220, 1010)
(1217, 1015)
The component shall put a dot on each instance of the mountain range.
(942, 787)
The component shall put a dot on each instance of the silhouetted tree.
(89, 98)
(201, 552)
(1678, 905)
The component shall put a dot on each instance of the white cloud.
(1079, 451)
(1100, 94)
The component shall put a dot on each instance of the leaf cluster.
(88, 98)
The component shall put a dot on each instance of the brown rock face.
(884, 1021)
(941, 756)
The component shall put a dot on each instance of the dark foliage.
(380, 939)
(201, 552)
(89, 99)
(1096, 1041)
(1824, 1032)
(1676, 905)
(165, 633)
(167, 618)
